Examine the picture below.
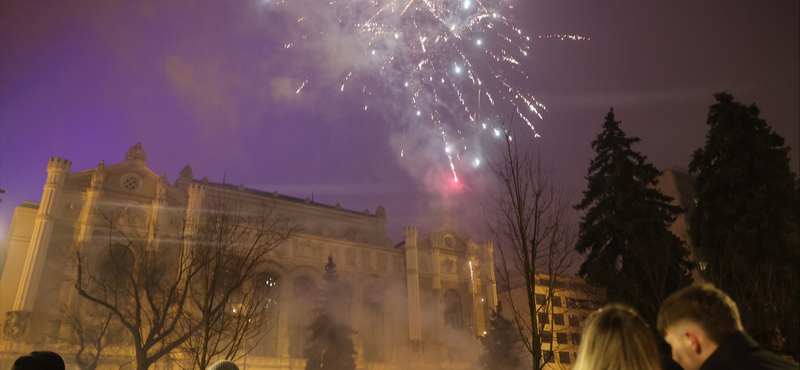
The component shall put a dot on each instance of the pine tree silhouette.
(625, 210)
(331, 347)
(501, 348)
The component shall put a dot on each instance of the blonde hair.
(617, 338)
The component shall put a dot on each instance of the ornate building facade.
(417, 304)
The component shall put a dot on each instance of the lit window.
(543, 318)
(571, 303)
(573, 320)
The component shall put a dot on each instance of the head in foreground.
(223, 365)
(41, 360)
(695, 320)
(617, 338)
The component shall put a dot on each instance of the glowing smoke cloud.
(458, 64)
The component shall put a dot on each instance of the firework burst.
(457, 64)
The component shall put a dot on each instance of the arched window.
(116, 264)
(340, 306)
(300, 312)
(116, 269)
(372, 330)
(269, 291)
(453, 319)
(453, 314)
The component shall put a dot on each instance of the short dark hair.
(52, 359)
(29, 363)
(704, 305)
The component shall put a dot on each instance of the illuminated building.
(560, 318)
(679, 184)
(418, 304)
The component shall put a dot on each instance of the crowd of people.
(700, 322)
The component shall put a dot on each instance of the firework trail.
(457, 64)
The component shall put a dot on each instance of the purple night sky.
(207, 83)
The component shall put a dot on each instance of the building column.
(474, 288)
(437, 277)
(193, 214)
(283, 323)
(438, 294)
(18, 320)
(389, 323)
(472, 297)
(85, 226)
(193, 210)
(156, 221)
(489, 268)
(93, 193)
(356, 323)
(412, 282)
(480, 323)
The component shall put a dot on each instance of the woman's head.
(617, 338)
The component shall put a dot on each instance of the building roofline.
(287, 198)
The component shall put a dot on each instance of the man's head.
(43, 360)
(52, 359)
(695, 320)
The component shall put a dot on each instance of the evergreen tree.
(745, 226)
(625, 229)
(501, 343)
(331, 347)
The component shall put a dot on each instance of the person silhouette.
(39, 360)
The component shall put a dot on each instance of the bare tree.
(656, 274)
(531, 220)
(144, 287)
(235, 289)
(164, 287)
(90, 331)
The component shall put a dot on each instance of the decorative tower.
(193, 209)
(412, 281)
(380, 213)
(435, 260)
(93, 193)
(491, 290)
(157, 212)
(18, 320)
(184, 179)
(474, 286)
(86, 224)
(436, 288)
